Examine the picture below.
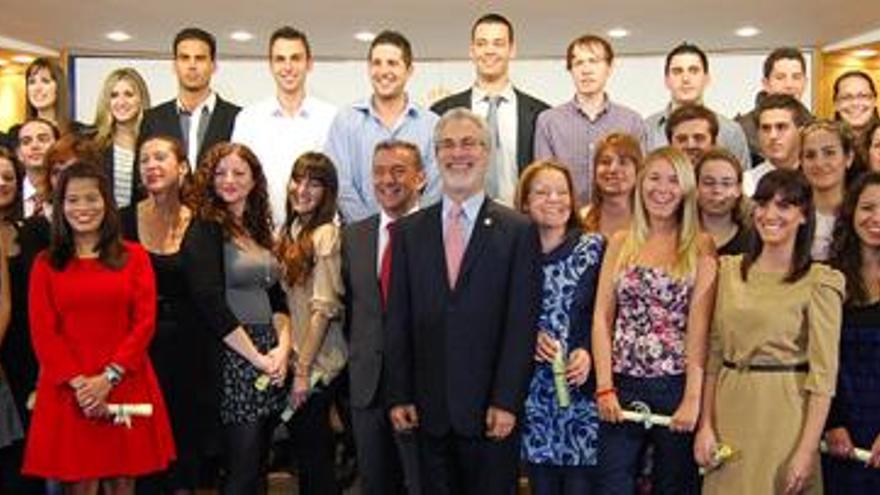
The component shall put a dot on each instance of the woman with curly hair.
(239, 295)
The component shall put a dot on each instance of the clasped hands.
(91, 394)
(274, 364)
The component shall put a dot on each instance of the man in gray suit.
(387, 460)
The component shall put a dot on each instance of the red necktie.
(385, 266)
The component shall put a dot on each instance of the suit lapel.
(483, 225)
(213, 122)
(524, 130)
(432, 247)
(370, 254)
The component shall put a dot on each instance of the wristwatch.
(112, 374)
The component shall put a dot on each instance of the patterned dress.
(551, 434)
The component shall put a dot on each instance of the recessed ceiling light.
(241, 36)
(618, 33)
(23, 59)
(365, 36)
(747, 31)
(864, 53)
(118, 36)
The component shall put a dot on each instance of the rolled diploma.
(862, 455)
(130, 409)
(648, 419)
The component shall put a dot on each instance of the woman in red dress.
(92, 312)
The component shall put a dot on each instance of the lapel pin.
(487, 222)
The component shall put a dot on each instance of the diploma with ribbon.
(861, 455)
(122, 413)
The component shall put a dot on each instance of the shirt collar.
(606, 106)
(366, 106)
(208, 103)
(385, 219)
(304, 111)
(508, 94)
(470, 206)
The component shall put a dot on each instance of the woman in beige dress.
(772, 363)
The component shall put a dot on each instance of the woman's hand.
(705, 443)
(278, 370)
(609, 408)
(91, 395)
(546, 347)
(875, 453)
(839, 442)
(300, 391)
(685, 417)
(800, 471)
(578, 368)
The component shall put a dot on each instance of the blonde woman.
(650, 325)
(120, 109)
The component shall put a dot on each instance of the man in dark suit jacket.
(492, 47)
(198, 117)
(460, 332)
(388, 462)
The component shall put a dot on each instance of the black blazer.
(527, 110)
(454, 352)
(364, 312)
(108, 157)
(163, 120)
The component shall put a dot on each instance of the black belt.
(768, 367)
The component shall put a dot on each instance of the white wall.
(637, 80)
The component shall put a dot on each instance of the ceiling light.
(618, 33)
(3, 62)
(365, 36)
(22, 59)
(864, 53)
(118, 36)
(241, 36)
(747, 31)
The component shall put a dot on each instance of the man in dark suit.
(198, 117)
(510, 113)
(388, 462)
(460, 331)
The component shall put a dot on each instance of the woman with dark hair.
(618, 160)
(238, 293)
(181, 348)
(118, 113)
(773, 351)
(309, 251)
(561, 423)
(855, 103)
(92, 315)
(47, 97)
(854, 420)
(719, 196)
(871, 149)
(827, 154)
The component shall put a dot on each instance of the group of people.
(489, 284)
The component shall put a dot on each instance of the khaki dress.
(760, 414)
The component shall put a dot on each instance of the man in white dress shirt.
(282, 127)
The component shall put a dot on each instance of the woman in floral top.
(653, 305)
(560, 437)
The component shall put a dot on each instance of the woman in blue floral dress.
(560, 431)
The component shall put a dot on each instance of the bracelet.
(112, 374)
(604, 392)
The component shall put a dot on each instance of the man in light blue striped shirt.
(387, 114)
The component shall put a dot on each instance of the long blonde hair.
(104, 121)
(688, 221)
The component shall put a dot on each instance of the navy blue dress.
(856, 406)
(553, 435)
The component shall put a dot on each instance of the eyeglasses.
(851, 98)
(467, 145)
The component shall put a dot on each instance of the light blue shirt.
(470, 209)
(351, 143)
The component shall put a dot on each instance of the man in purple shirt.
(569, 131)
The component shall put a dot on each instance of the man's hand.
(499, 423)
(404, 418)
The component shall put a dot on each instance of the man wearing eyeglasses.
(460, 321)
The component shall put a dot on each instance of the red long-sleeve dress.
(83, 318)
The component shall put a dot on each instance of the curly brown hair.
(256, 220)
(297, 253)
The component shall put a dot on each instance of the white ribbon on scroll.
(122, 413)
(861, 455)
(641, 413)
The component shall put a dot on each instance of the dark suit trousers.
(453, 464)
(388, 462)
